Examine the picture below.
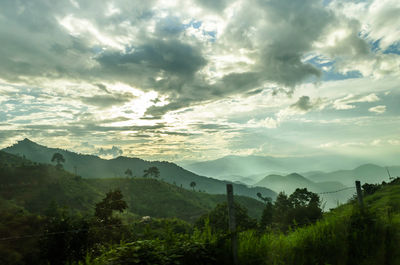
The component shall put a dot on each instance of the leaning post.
(232, 224)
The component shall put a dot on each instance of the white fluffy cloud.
(378, 109)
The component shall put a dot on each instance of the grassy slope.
(341, 237)
(160, 199)
(34, 186)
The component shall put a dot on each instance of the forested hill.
(34, 186)
(89, 166)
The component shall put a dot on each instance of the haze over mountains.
(90, 166)
(257, 167)
(245, 172)
(278, 174)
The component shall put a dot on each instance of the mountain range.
(240, 168)
(90, 166)
(35, 186)
(335, 187)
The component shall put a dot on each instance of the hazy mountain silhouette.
(246, 166)
(90, 166)
(368, 173)
(291, 182)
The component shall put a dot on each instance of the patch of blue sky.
(333, 75)
(193, 24)
(212, 35)
(328, 70)
(393, 49)
(375, 45)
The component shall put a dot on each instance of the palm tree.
(58, 158)
(151, 171)
(128, 172)
(193, 184)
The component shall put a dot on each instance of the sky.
(193, 80)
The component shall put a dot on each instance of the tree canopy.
(112, 202)
(300, 208)
(152, 171)
(58, 158)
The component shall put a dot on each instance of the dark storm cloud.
(303, 103)
(156, 56)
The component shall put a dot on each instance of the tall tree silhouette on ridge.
(58, 158)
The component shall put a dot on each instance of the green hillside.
(33, 186)
(89, 166)
(345, 236)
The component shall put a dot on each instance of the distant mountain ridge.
(90, 166)
(328, 183)
(255, 165)
(289, 183)
(367, 173)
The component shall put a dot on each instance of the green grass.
(343, 236)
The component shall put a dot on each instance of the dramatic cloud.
(165, 79)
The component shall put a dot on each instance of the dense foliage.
(88, 223)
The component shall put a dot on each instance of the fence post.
(232, 223)
(359, 194)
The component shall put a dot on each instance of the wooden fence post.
(359, 194)
(232, 224)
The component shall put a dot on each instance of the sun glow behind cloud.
(190, 80)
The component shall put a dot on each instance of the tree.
(281, 210)
(58, 158)
(128, 173)
(112, 202)
(306, 206)
(302, 207)
(267, 215)
(264, 199)
(151, 171)
(105, 227)
(63, 248)
(193, 184)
